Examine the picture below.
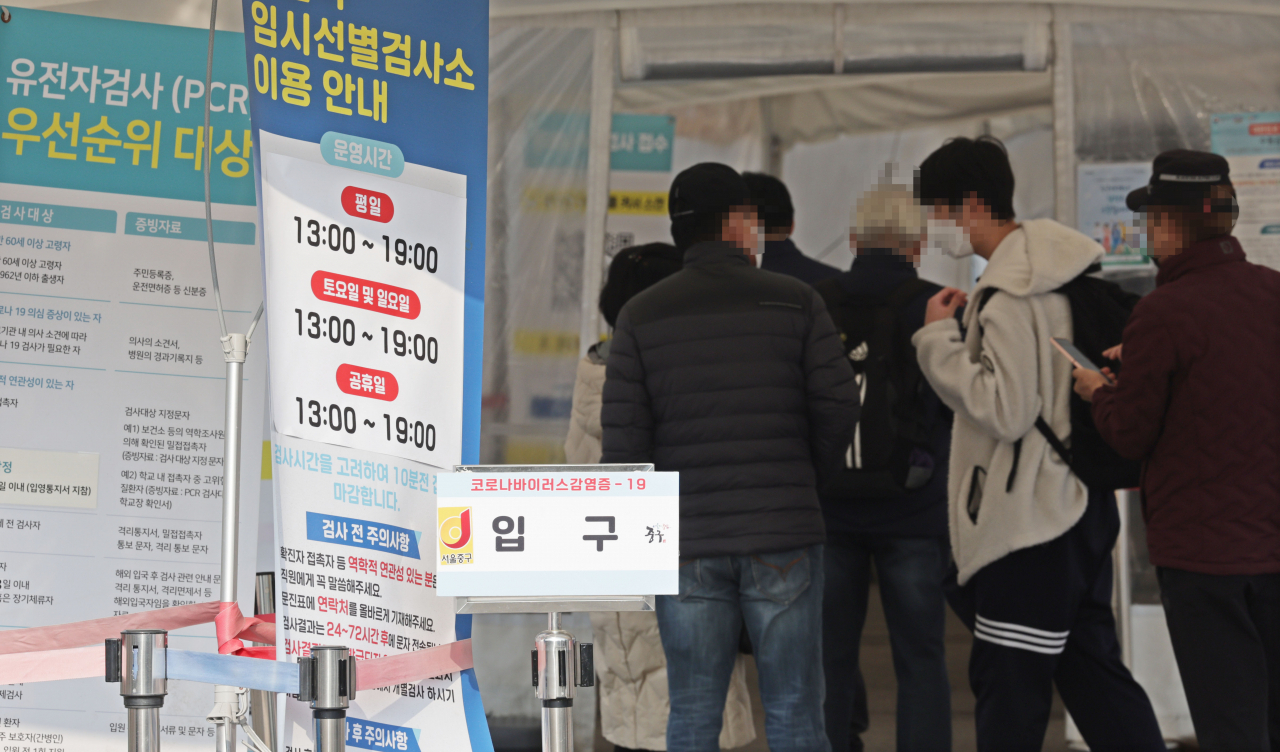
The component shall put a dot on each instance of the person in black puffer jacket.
(735, 378)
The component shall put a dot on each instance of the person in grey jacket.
(735, 378)
(1032, 543)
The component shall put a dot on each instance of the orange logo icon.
(455, 534)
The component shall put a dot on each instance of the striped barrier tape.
(75, 651)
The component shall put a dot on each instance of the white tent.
(823, 95)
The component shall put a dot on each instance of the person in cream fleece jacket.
(1032, 543)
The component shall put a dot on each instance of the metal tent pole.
(603, 65)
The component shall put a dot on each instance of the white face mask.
(949, 237)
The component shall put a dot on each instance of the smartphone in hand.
(1079, 359)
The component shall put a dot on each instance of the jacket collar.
(780, 248)
(714, 252)
(876, 271)
(1220, 250)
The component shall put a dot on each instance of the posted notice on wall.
(1103, 215)
(111, 372)
(371, 125)
(1251, 143)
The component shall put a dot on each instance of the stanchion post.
(557, 669)
(262, 704)
(138, 660)
(327, 680)
(234, 350)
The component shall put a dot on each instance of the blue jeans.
(911, 573)
(778, 596)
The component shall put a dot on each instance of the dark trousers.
(1226, 638)
(910, 573)
(1041, 616)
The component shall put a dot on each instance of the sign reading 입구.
(562, 534)
(370, 120)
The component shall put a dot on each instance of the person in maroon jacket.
(1198, 399)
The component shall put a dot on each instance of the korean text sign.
(372, 120)
(569, 534)
(125, 120)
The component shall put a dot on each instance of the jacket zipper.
(853, 457)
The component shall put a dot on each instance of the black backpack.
(1099, 312)
(888, 454)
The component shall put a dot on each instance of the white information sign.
(365, 291)
(112, 380)
(355, 569)
(561, 534)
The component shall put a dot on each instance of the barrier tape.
(52, 665)
(81, 633)
(233, 671)
(75, 651)
(408, 668)
(88, 662)
(229, 623)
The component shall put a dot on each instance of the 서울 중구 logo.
(455, 535)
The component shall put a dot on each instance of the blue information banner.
(1245, 133)
(61, 217)
(129, 122)
(381, 737)
(348, 531)
(372, 125)
(642, 142)
(189, 228)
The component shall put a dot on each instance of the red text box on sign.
(367, 382)
(378, 297)
(367, 204)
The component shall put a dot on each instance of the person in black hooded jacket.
(735, 378)
(773, 205)
(903, 534)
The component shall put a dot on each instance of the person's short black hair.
(696, 228)
(772, 201)
(634, 269)
(966, 166)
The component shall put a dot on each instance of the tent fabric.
(815, 108)
(507, 8)
(1146, 84)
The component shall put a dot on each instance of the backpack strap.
(985, 297)
(1041, 424)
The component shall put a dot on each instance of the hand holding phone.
(1079, 359)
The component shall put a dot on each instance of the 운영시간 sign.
(365, 282)
(559, 534)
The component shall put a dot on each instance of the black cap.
(707, 188)
(1180, 178)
